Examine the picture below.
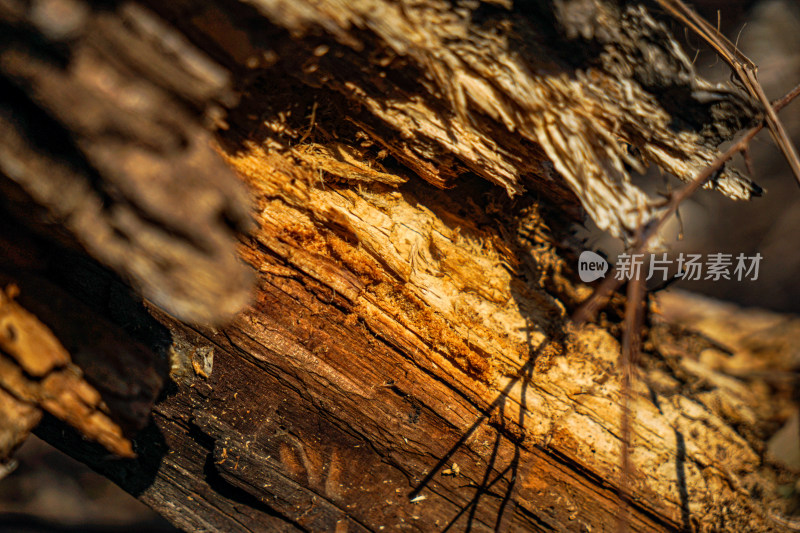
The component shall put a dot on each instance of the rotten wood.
(407, 359)
(39, 373)
(362, 376)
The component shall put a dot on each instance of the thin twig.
(610, 284)
(631, 339)
(310, 124)
(748, 162)
(631, 344)
(744, 68)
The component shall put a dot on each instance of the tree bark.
(406, 359)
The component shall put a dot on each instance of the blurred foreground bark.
(406, 359)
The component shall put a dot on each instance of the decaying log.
(406, 360)
(337, 401)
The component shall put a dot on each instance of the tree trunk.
(406, 359)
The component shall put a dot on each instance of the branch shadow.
(680, 472)
(510, 472)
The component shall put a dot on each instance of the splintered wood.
(585, 122)
(415, 168)
(439, 283)
(36, 373)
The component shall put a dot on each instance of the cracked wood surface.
(385, 352)
(406, 361)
